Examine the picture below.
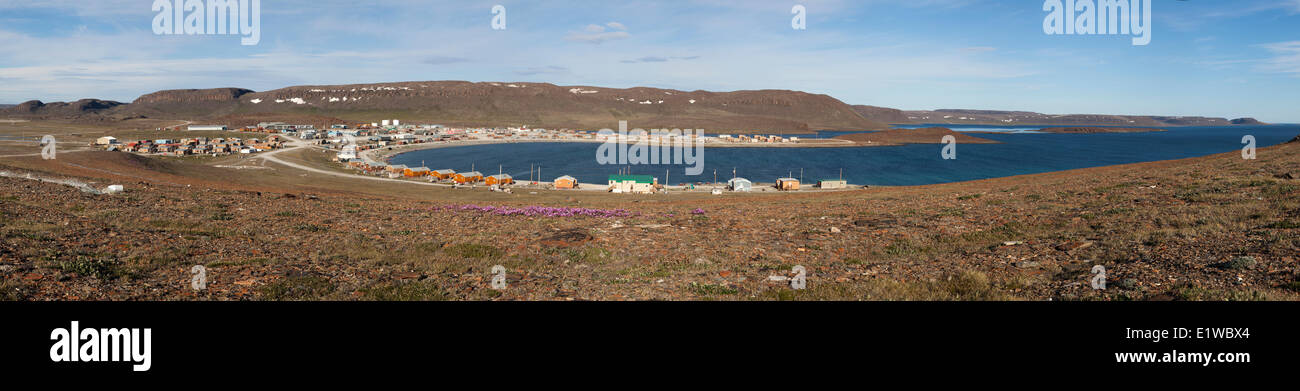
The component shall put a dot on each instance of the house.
(468, 177)
(499, 179)
(207, 127)
(106, 140)
(832, 184)
(397, 168)
(443, 174)
(416, 172)
(740, 184)
(643, 184)
(787, 184)
(566, 182)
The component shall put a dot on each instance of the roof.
(832, 180)
(445, 171)
(632, 178)
(419, 169)
(470, 174)
(501, 176)
(787, 179)
(567, 177)
(739, 180)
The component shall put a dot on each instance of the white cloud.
(596, 34)
(1286, 58)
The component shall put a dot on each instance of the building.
(468, 177)
(443, 174)
(832, 184)
(412, 172)
(643, 184)
(740, 184)
(207, 127)
(106, 140)
(499, 179)
(397, 168)
(566, 182)
(787, 184)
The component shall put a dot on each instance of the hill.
(882, 114)
(460, 103)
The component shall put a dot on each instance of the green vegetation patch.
(298, 288)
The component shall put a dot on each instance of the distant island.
(911, 136)
(1028, 118)
(1092, 130)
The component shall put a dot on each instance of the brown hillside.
(551, 106)
(882, 114)
(461, 103)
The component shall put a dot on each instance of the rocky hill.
(1247, 121)
(510, 104)
(85, 109)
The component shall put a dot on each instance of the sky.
(1237, 58)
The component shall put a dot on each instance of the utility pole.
(801, 175)
(715, 176)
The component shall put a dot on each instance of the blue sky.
(1214, 58)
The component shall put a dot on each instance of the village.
(351, 142)
(191, 146)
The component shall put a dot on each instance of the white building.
(208, 127)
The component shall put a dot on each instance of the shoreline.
(383, 157)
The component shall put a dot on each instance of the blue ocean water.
(1022, 151)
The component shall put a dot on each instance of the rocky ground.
(1212, 228)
